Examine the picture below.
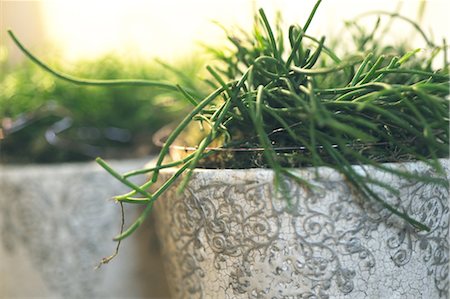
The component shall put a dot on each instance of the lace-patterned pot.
(56, 224)
(229, 236)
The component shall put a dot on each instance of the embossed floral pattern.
(230, 235)
(58, 217)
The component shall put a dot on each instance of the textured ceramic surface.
(227, 236)
(56, 224)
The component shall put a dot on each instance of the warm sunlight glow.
(165, 29)
(173, 27)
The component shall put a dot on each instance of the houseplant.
(347, 117)
(228, 236)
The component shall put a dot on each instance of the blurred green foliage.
(133, 114)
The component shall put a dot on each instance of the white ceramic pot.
(57, 223)
(228, 236)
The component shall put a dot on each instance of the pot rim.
(320, 170)
(161, 135)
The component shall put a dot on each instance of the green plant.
(28, 94)
(303, 104)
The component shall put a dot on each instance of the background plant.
(112, 122)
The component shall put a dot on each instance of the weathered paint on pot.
(228, 236)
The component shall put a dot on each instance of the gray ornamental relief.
(227, 237)
(56, 223)
(59, 221)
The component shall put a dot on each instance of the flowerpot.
(229, 234)
(56, 224)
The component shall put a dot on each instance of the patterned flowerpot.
(56, 224)
(228, 235)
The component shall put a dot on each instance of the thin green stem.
(273, 43)
(82, 81)
(121, 178)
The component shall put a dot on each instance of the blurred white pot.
(226, 236)
(56, 224)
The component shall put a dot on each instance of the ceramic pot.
(57, 223)
(230, 235)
